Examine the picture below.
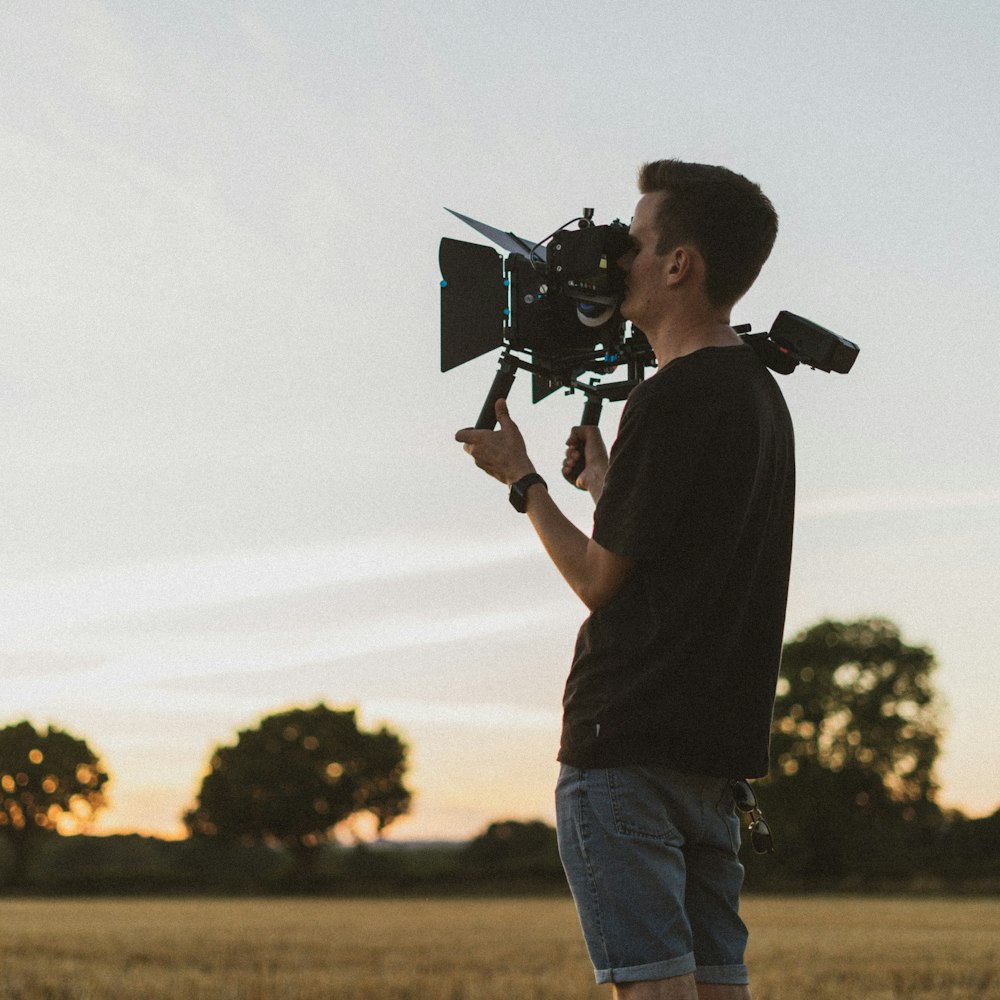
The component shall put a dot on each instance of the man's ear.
(680, 262)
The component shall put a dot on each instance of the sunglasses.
(746, 802)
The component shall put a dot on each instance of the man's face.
(645, 270)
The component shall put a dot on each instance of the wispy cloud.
(896, 503)
(487, 716)
(372, 639)
(36, 607)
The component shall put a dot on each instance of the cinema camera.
(553, 306)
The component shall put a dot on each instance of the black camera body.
(557, 303)
(554, 308)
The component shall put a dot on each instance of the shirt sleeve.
(655, 464)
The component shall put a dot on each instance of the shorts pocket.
(639, 807)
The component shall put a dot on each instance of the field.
(816, 948)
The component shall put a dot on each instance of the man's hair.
(726, 217)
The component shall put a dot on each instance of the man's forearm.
(594, 574)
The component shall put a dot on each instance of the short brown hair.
(726, 217)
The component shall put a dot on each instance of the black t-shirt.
(680, 667)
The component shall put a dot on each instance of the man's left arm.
(594, 573)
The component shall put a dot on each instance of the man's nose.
(625, 260)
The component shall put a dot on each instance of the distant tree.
(46, 778)
(856, 733)
(297, 777)
(511, 848)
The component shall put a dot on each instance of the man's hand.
(586, 442)
(502, 452)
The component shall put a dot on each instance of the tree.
(512, 849)
(47, 779)
(855, 737)
(297, 777)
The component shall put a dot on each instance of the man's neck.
(675, 338)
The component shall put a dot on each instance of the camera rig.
(553, 306)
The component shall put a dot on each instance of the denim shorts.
(651, 858)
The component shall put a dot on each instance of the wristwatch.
(519, 491)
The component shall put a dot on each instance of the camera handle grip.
(502, 382)
(591, 418)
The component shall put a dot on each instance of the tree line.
(851, 798)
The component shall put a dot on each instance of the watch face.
(518, 498)
(519, 491)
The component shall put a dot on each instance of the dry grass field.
(803, 949)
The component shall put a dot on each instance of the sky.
(230, 484)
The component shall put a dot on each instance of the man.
(670, 694)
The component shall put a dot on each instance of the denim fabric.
(651, 858)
